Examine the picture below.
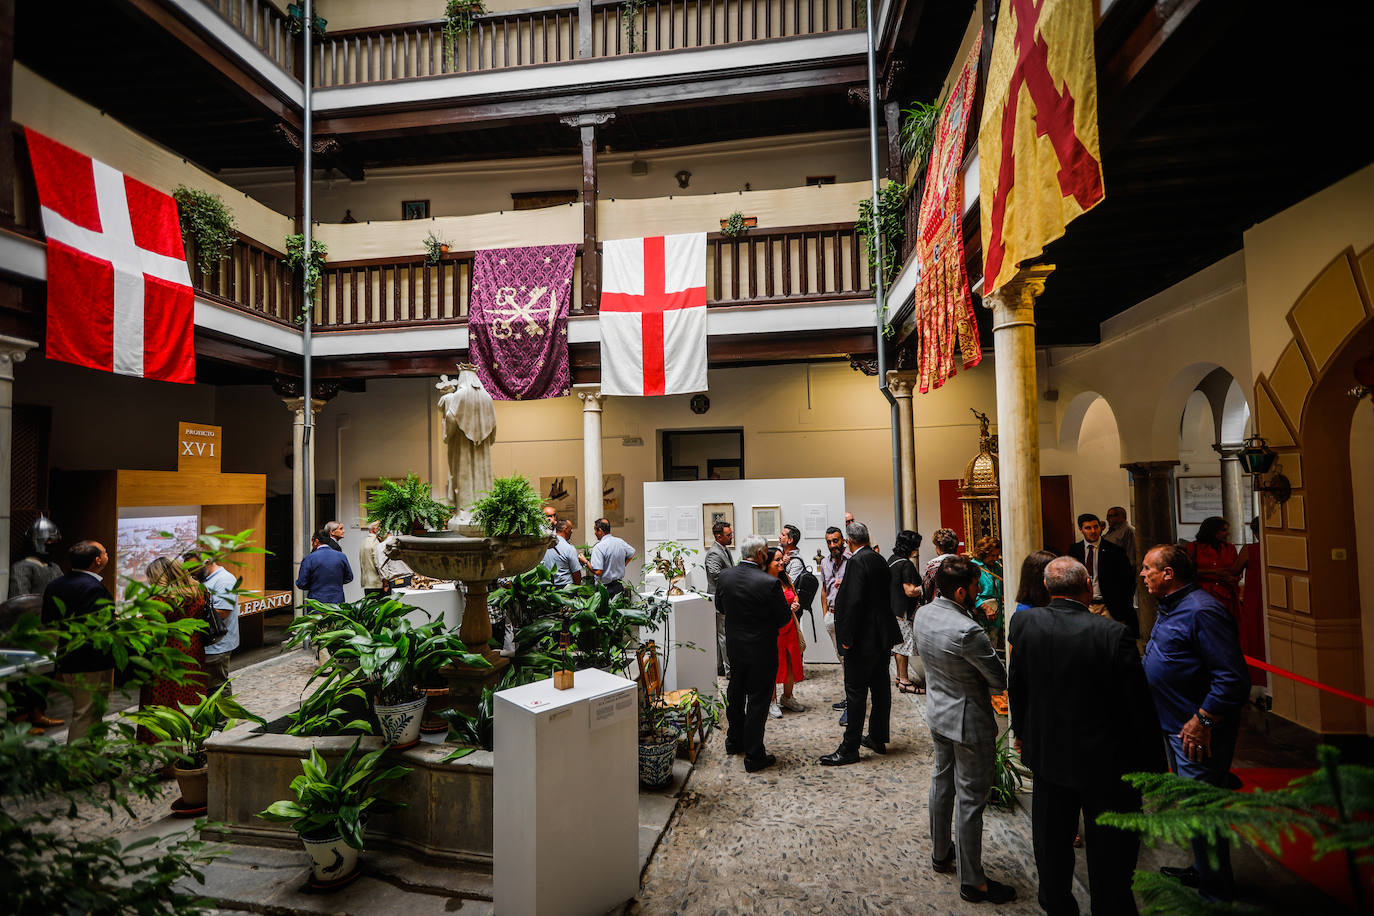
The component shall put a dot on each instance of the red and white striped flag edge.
(653, 315)
(119, 290)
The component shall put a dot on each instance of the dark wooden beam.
(591, 270)
(6, 102)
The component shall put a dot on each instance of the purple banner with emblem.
(518, 320)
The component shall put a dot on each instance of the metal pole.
(879, 281)
(307, 136)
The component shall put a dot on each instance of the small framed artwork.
(724, 468)
(684, 472)
(712, 513)
(1198, 499)
(767, 521)
(613, 498)
(561, 493)
(415, 209)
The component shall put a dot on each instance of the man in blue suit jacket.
(324, 572)
(88, 671)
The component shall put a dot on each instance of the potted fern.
(511, 509)
(405, 507)
(206, 224)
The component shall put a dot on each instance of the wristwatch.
(1206, 720)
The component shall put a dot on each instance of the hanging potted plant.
(330, 808)
(311, 268)
(295, 20)
(406, 507)
(186, 729)
(435, 249)
(459, 17)
(737, 224)
(207, 226)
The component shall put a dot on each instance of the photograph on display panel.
(712, 513)
(613, 498)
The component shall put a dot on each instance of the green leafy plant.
(1334, 805)
(511, 507)
(313, 267)
(891, 221)
(632, 11)
(395, 662)
(325, 626)
(734, 225)
(337, 798)
(1006, 776)
(399, 505)
(188, 727)
(471, 732)
(324, 709)
(528, 597)
(459, 18)
(435, 248)
(916, 136)
(674, 565)
(295, 20)
(207, 224)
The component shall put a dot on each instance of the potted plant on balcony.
(459, 17)
(436, 248)
(186, 729)
(330, 809)
(295, 20)
(311, 268)
(405, 507)
(737, 224)
(207, 225)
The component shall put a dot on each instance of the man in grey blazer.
(962, 672)
(718, 558)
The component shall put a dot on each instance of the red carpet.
(1327, 873)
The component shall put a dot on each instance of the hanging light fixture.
(1258, 458)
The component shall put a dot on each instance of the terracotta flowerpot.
(194, 786)
(444, 249)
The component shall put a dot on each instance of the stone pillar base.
(466, 683)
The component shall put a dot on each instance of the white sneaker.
(774, 711)
(792, 704)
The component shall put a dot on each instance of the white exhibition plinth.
(566, 796)
(688, 637)
(442, 602)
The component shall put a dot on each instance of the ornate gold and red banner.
(944, 307)
(1040, 165)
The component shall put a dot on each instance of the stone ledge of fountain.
(448, 806)
(452, 555)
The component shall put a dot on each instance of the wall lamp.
(683, 177)
(1258, 458)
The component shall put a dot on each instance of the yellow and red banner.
(1040, 166)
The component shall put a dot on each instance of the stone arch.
(1071, 424)
(1312, 592)
(1172, 400)
(1235, 414)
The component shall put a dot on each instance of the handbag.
(215, 627)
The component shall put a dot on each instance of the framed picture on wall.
(712, 513)
(613, 498)
(415, 209)
(767, 521)
(561, 493)
(1198, 499)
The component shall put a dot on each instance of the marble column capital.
(1150, 468)
(13, 350)
(901, 382)
(1018, 294)
(1229, 451)
(297, 405)
(591, 397)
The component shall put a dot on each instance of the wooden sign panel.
(270, 601)
(199, 447)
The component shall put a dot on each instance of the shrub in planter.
(472, 732)
(511, 507)
(331, 806)
(338, 696)
(326, 625)
(435, 248)
(402, 506)
(207, 223)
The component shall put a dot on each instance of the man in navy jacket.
(89, 671)
(324, 572)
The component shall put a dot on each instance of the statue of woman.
(469, 430)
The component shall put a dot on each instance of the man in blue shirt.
(609, 557)
(562, 556)
(1198, 678)
(220, 583)
(325, 572)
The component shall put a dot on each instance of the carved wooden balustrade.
(262, 24)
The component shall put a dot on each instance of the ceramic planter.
(401, 723)
(193, 783)
(332, 861)
(656, 755)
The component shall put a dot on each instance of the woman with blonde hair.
(185, 599)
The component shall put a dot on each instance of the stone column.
(591, 457)
(1153, 485)
(1233, 490)
(1018, 419)
(302, 503)
(902, 383)
(12, 350)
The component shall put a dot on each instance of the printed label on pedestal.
(611, 708)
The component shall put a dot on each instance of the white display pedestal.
(442, 602)
(693, 620)
(566, 796)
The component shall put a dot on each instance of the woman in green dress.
(987, 554)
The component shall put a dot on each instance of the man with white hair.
(754, 609)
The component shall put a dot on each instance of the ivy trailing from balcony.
(313, 267)
(632, 11)
(891, 221)
(206, 224)
(459, 17)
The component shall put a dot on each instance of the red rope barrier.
(1293, 676)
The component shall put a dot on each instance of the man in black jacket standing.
(754, 609)
(1082, 715)
(89, 671)
(1111, 572)
(866, 631)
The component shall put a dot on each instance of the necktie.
(1092, 561)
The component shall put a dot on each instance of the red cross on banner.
(653, 315)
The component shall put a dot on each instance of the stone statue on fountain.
(469, 424)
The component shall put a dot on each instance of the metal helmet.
(44, 535)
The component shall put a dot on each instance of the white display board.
(803, 501)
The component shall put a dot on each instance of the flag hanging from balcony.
(653, 315)
(518, 320)
(944, 307)
(119, 290)
(1039, 162)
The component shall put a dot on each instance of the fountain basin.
(449, 555)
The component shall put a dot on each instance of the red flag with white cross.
(119, 290)
(653, 315)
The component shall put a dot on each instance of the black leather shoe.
(1188, 876)
(877, 747)
(732, 751)
(840, 758)
(753, 766)
(997, 892)
(840, 705)
(948, 865)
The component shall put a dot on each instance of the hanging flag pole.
(307, 498)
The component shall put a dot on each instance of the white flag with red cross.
(119, 290)
(653, 315)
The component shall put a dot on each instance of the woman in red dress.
(185, 599)
(1218, 564)
(789, 641)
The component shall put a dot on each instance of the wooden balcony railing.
(253, 278)
(262, 24)
(666, 25)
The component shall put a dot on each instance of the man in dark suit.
(754, 609)
(866, 631)
(1082, 715)
(324, 572)
(1113, 577)
(89, 672)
